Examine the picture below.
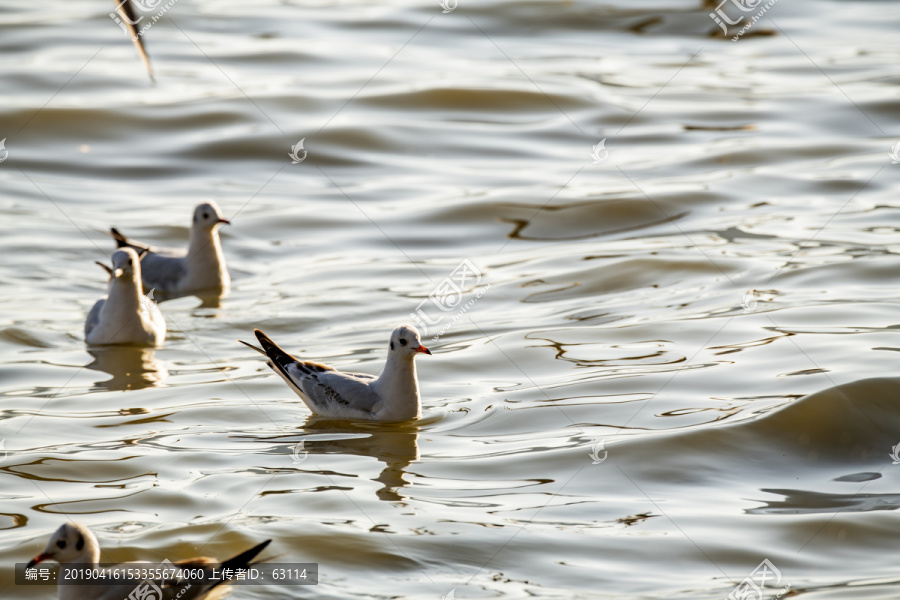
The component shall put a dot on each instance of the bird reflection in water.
(132, 368)
(394, 444)
(208, 299)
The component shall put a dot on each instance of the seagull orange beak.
(423, 350)
(38, 559)
(225, 221)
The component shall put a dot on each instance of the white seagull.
(392, 396)
(199, 269)
(124, 316)
(76, 545)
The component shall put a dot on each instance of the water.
(679, 300)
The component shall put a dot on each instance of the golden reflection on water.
(618, 306)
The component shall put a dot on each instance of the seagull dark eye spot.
(129, 262)
(205, 216)
(392, 345)
(79, 545)
(402, 341)
(61, 544)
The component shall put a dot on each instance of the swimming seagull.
(392, 396)
(178, 272)
(75, 544)
(124, 316)
(127, 19)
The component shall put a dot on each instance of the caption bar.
(167, 573)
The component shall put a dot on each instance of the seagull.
(75, 544)
(392, 396)
(180, 273)
(123, 316)
(126, 18)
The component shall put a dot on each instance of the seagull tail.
(270, 348)
(242, 560)
(278, 357)
(105, 267)
(121, 240)
(258, 349)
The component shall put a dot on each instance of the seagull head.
(126, 263)
(72, 543)
(405, 342)
(208, 216)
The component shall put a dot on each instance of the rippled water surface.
(677, 361)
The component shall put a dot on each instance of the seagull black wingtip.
(266, 341)
(275, 354)
(243, 559)
(121, 240)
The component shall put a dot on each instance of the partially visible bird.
(128, 20)
(124, 316)
(75, 544)
(392, 396)
(201, 268)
